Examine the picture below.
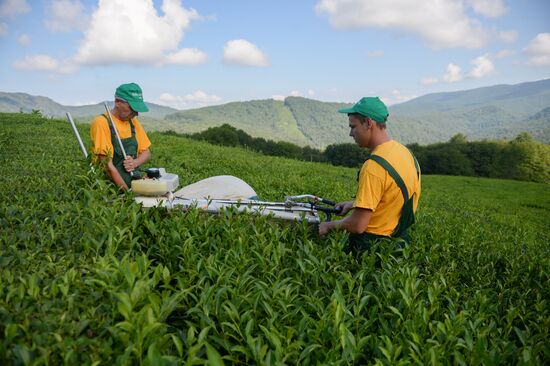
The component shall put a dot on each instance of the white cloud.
(193, 100)
(243, 53)
(12, 8)
(187, 56)
(45, 63)
(65, 15)
(538, 50)
(504, 53)
(429, 81)
(132, 32)
(67, 67)
(24, 40)
(453, 74)
(483, 66)
(37, 63)
(278, 97)
(311, 93)
(441, 23)
(295, 93)
(376, 53)
(488, 8)
(508, 36)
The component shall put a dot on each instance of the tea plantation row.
(88, 277)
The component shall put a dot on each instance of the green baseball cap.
(371, 107)
(132, 94)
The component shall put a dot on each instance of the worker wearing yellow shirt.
(389, 181)
(128, 103)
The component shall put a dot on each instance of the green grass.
(87, 277)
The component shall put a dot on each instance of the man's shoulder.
(400, 158)
(393, 152)
(390, 148)
(100, 120)
(373, 169)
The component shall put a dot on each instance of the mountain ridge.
(24, 102)
(494, 112)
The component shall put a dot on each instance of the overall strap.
(111, 125)
(129, 145)
(393, 173)
(134, 130)
(416, 165)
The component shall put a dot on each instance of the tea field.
(89, 278)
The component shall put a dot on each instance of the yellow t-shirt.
(101, 135)
(377, 191)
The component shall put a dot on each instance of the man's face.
(359, 131)
(124, 111)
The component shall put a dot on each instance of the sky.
(194, 53)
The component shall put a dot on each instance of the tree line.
(228, 135)
(522, 158)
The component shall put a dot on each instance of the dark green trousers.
(359, 243)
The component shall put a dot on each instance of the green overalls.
(130, 146)
(364, 241)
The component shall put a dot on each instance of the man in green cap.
(388, 183)
(128, 104)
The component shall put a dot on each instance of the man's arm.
(344, 207)
(113, 172)
(131, 164)
(356, 223)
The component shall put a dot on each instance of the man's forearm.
(115, 175)
(131, 164)
(356, 223)
(349, 223)
(142, 158)
(112, 172)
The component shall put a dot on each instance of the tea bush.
(88, 277)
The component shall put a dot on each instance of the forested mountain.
(318, 120)
(500, 111)
(270, 119)
(495, 112)
(521, 100)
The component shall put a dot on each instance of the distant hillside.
(495, 112)
(319, 122)
(16, 102)
(520, 100)
(537, 125)
(270, 119)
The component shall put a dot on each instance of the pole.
(117, 135)
(82, 147)
(116, 131)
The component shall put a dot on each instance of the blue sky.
(189, 54)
